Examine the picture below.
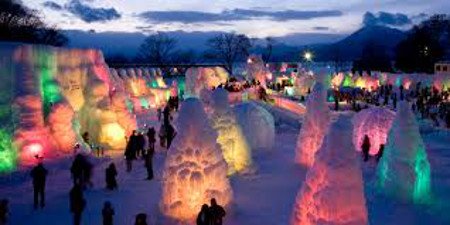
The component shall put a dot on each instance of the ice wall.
(236, 151)
(333, 192)
(404, 170)
(314, 127)
(257, 124)
(374, 122)
(56, 94)
(195, 170)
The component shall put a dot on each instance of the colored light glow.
(113, 135)
(348, 82)
(423, 180)
(34, 149)
(8, 153)
(144, 102)
(49, 88)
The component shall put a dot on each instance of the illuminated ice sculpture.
(314, 127)
(236, 151)
(333, 192)
(195, 170)
(404, 170)
(374, 122)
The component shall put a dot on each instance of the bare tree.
(157, 48)
(270, 43)
(229, 48)
(19, 23)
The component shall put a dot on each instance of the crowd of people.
(426, 101)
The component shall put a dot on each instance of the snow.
(333, 191)
(266, 197)
(258, 125)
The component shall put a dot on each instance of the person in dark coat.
(170, 134)
(380, 152)
(87, 172)
(77, 203)
(365, 147)
(111, 174)
(217, 213)
(204, 217)
(151, 135)
(130, 151)
(140, 143)
(149, 163)
(77, 169)
(141, 219)
(107, 213)
(4, 211)
(39, 175)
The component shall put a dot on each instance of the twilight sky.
(259, 18)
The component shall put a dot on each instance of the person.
(39, 175)
(140, 144)
(149, 163)
(141, 219)
(204, 217)
(111, 174)
(216, 212)
(107, 213)
(77, 169)
(380, 152)
(87, 173)
(4, 211)
(170, 134)
(151, 138)
(85, 137)
(365, 147)
(166, 115)
(159, 114)
(77, 203)
(130, 151)
(162, 136)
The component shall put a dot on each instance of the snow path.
(263, 198)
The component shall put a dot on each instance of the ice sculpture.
(194, 170)
(333, 192)
(314, 127)
(374, 122)
(256, 69)
(233, 143)
(404, 170)
(203, 78)
(257, 124)
(60, 120)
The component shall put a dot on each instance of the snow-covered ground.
(263, 198)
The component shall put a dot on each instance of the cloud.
(85, 12)
(386, 19)
(53, 5)
(321, 28)
(234, 15)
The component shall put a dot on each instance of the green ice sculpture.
(404, 170)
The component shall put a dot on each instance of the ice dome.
(374, 122)
(195, 170)
(333, 192)
(404, 170)
(257, 125)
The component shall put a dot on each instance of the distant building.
(442, 68)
